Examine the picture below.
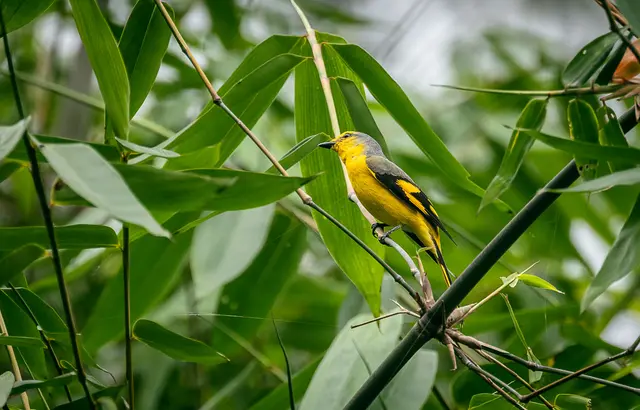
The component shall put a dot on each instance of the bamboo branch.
(594, 89)
(304, 197)
(128, 337)
(48, 221)
(614, 28)
(14, 362)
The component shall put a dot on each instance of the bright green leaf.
(532, 117)
(583, 127)
(14, 262)
(611, 135)
(109, 152)
(536, 281)
(174, 345)
(17, 13)
(68, 237)
(90, 175)
(534, 376)
(9, 137)
(571, 402)
(47, 317)
(106, 62)
(153, 151)
(299, 151)
(6, 383)
(588, 60)
(25, 385)
(21, 341)
(627, 177)
(143, 43)
(622, 259)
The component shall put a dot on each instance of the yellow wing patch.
(408, 188)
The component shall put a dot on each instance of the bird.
(389, 194)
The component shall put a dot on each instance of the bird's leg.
(389, 232)
(376, 226)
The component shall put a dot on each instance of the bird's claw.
(385, 235)
(375, 226)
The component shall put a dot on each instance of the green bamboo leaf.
(83, 404)
(389, 94)
(143, 43)
(17, 13)
(69, 237)
(329, 190)
(536, 281)
(14, 262)
(6, 383)
(198, 189)
(278, 398)
(532, 117)
(582, 67)
(47, 317)
(583, 126)
(25, 385)
(622, 259)
(587, 149)
(359, 112)
(165, 259)
(90, 175)
(21, 341)
(152, 151)
(605, 74)
(622, 178)
(254, 291)
(8, 167)
(174, 345)
(106, 62)
(611, 135)
(534, 376)
(631, 11)
(490, 401)
(571, 402)
(109, 152)
(9, 136)
(106, 403)
(299, 151)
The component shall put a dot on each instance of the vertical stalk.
(126, 253)
(48, 221)
(14, 364)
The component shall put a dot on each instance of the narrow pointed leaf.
(14, 262)
(622, 178)
(91, 176)
(532, 117)
(583, 127)
(174, 345)
(299, 151)
(611, 135)
(536, 281)
(7, 168)
(261, 282)
(587, 149)
(572, 402)
(69, 237)
(588, 60)
(388, 93)
(21, 341)
(152, 151)
(109, 152)
(631, 11)
(534, 376)
(622, 259)
(82, 402)
(6, 383)
(278, 398)
(25, 385)
(9, 137)
(106, 62)
(143, 43)
(47, 317)
(17, 13)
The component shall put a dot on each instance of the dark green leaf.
(17, 13)
(198, 189)
(90, 175)
(46, 315)
(493, 401)
(7, 168)
(586, 149)
(69, 237)
(106, 62)
(143, 43)
(622, 259)
(21, 341)
(388, 93)
(605, 74)
(329, 190)
(532, 117)
(14, 262)
(572, 402)
(156, 264)
(82, 403)
(299, 151)
(611, 135)
(627, 177)
(359, 111)
(153, 151)
(9, 137)
(631, 11)
(109, 152)
(24, 385)
(6, 383)
(253, 293)
(106, 403)
(588, 60)
(583, 127)
(226, 17)
(174, 345)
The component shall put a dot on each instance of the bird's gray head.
(353, 143)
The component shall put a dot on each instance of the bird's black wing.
(402, 186)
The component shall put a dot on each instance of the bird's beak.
(327, 145)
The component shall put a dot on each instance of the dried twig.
(14, 364)
(614, 28)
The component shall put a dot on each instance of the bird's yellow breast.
(377, 199)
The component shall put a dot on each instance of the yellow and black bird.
(389, 194)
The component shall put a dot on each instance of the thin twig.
(539, 93)
(43, 337)
(292, 400)
(614, 10)
(614, 28)
(304, 197)
(382, 317)
(128, 337)
(14, 363)
(48, 221)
